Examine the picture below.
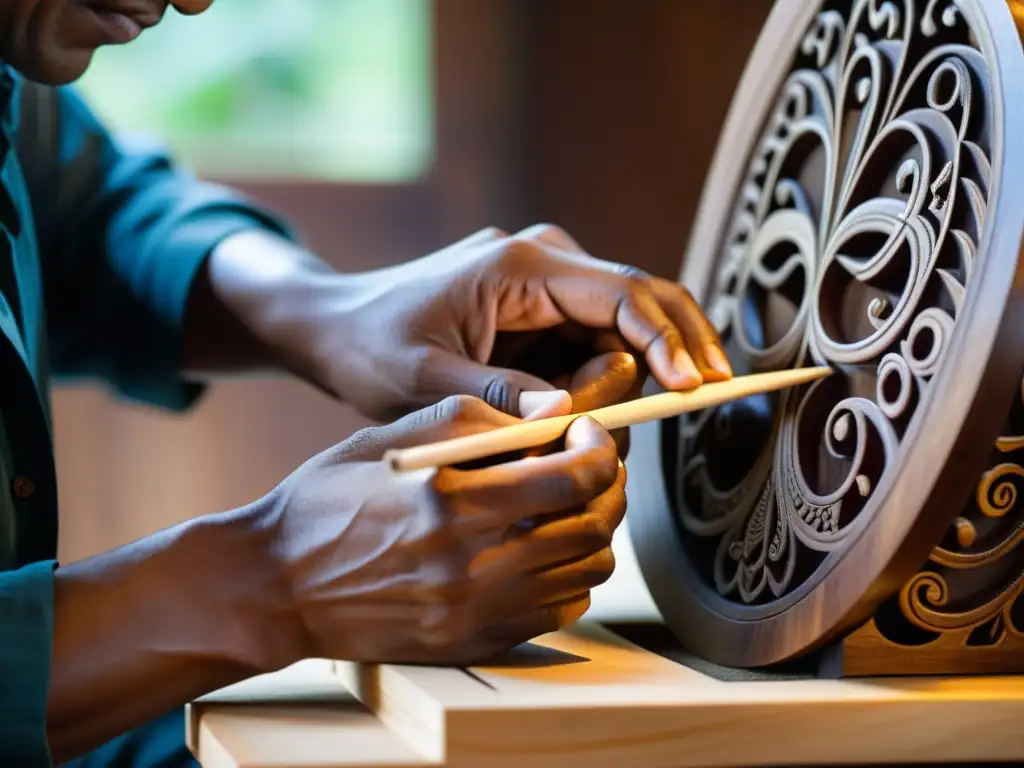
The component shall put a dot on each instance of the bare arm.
(152, 625)
(252, 307)
(344, 559)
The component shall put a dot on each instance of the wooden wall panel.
(628, 99)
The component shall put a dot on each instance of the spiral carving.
(852, 243)
(924, 602)
(981, 568)
(997, 494)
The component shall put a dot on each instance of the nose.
(191, 7)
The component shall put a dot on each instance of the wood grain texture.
(588, 697)
(299, 736)
(810, 512)
(258, 723)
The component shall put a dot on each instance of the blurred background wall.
(382, 130)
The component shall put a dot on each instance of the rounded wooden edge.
(962, 420)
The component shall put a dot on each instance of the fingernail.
(717, 360)
(583, 423)
(684, 366)
(534, 404)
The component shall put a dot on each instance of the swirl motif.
(852, 243)
(924, 602)
(971, 593)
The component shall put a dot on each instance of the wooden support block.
(867, 652)
(587, 696)
(275, 737)
(300, 716)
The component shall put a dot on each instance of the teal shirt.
(100, 239)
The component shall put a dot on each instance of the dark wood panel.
(628, 101)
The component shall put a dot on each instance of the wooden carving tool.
(530, 434)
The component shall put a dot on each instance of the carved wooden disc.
(865, 210)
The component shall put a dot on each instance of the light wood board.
(586, 696)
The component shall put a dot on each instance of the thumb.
(513, 392)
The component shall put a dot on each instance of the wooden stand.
(963, 612)
(587, 696)
(866, 652)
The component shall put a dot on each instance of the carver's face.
(52, 41)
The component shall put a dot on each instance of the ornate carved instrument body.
(865, 211)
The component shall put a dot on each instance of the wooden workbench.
(587, 696)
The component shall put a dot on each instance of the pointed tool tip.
(818, 372)
(806, 375)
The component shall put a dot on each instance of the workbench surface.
(587, 696)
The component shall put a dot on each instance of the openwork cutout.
(853, 243)
(970, 594)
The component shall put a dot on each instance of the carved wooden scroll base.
(867, 653)
(963, 612)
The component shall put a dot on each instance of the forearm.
(148, 627)
(260, 303)
(248, 304)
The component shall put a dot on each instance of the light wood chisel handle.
(530, 434)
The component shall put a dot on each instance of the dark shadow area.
(659, 640)
(529, 655)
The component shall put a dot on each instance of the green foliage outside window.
(335, 90)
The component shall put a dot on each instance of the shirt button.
(23, 488)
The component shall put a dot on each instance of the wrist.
(276, 294)
(310, 318)
(152, 625)
(249, 589)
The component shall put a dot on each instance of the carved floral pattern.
(852, 244)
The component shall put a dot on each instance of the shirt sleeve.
(26, 644)
(122, 232)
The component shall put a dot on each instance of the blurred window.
(324, 90)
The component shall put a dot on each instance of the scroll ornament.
(852, 243)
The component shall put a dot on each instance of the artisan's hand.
(496, 315)
(345, 559)
(509, 319)
(434, 566)
(607, 379)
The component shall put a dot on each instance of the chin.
(53, 67)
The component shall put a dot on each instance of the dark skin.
(53, 41)
(345, 559)
(494, 316)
